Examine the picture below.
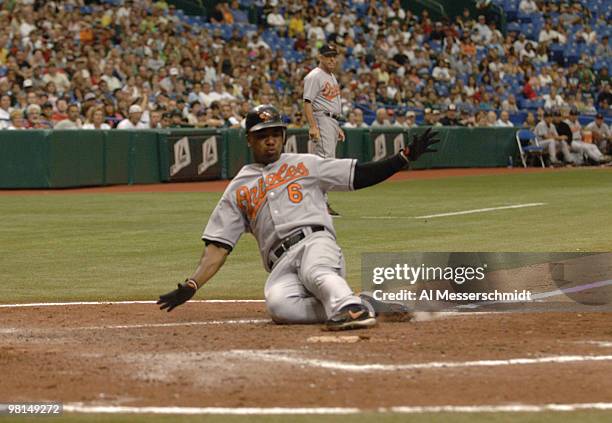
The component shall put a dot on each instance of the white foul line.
(564, 291)
(73, 303)
(515, 206)
(277, 356)
(429, 216)
(512, 408)
(169, 325)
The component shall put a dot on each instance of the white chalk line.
(142, 326)
(169, 325)
(280, 356)
(541, 295)
(602, 344)
(458, 213)
(565, 291)
(75, 303)
(510, 408)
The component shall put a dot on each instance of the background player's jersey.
(272, 201)
(322, 90)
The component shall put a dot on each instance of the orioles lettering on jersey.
(330, 91)
(250, 199)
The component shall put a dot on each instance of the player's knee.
(277, 306)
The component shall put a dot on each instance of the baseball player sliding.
(322, 107)
(280, 199)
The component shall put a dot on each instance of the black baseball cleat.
(332, 212)
(388, 311)
(352, 316)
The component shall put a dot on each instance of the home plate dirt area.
(208, 354)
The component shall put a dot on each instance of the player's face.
(329, 62)
(266, 144)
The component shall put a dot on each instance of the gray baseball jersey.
(275, 201)
(323, 92)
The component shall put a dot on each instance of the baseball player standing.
(280, 199)
(322, 106)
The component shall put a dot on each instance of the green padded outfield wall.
(458, 147)
(74, 158)
(24, 159)
(59, 159)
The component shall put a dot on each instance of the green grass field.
(136, 246)
(65, 247)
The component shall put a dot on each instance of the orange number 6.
(295, 193)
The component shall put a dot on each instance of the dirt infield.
(219, 186)
(231, 355)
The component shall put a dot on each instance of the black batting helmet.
(263, 116)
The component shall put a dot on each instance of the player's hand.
(421, 144)
(314, 133)
(341, 136)
(175, 298)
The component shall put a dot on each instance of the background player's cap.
(263, 116)
(328, 50)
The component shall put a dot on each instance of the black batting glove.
(421, 144)
(181, 295)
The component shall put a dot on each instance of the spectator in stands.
(59, 79)
(410, 120)
(33, 121)
(586, 35)
(46, 116)
(603, 49)
(155, 117)
(550, 35)
(133, 119)
(296, 25)
(73, 121)
(528, 52)
(94, 119)
(436, 117)
(381, 118)
(490, 119)
(441, 72)
(276, 20)
(553, 100)
(467, 118)
(297, 121)
(601, 134)
(568, 16)
(551, 141)
(17, 120)
(482, 33)
(509, 104)
(450, 118)
(239, 16)
(577, 145)
(528, 6)
(5, 111)
(229, 119)
(530, 121)
(528, 90)
(355, 119)
(504, 120)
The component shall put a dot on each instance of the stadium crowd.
(144, 64)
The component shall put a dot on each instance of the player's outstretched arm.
(372, 173)
(213, 257)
